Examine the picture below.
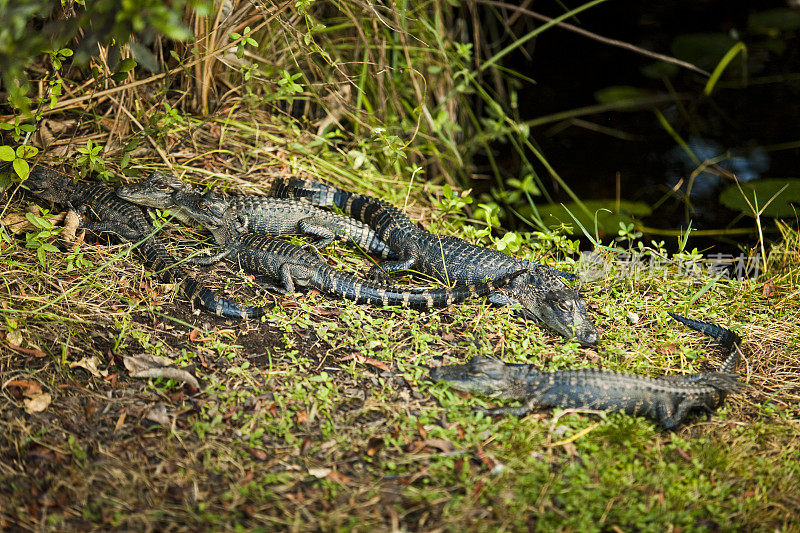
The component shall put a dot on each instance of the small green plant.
(38, 240)
(510, 242)
(18, 128)
(452, 201)
(244, 42)
(18, 158)
(556, 238)
(288, 86)
(90, 160)
(160, 217)
(76, 261)
(627, 233)
(76, 448)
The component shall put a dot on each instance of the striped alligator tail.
(209, 300)
(381, 216)
(362, 291)
(156, 256)
(726, 338)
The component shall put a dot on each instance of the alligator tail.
(381, 216)
(361, 291)
(722, 381)
(209, 300)
(314, 192)
(725, 337)
(323, 195)
(156, 257)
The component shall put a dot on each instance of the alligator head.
(158, 191)
(46, 183)
(545, 299)
(483, 375)
(210, 210)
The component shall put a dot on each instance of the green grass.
(299, 425)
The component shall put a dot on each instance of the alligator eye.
(565, 305)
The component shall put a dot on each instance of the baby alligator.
(667, 399)
(273, 217)
(543, 297)
(127, 221)
(288, 264)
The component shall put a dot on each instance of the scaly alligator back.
(270, 216)
(667, 399)
(290, 264)
(543, 297)
(126, 220)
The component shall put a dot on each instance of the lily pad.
(759, 192)
(702, 49)
(608, 217)
(774, 20)
(620, 94)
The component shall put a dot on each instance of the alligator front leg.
(211, 259)
(122, 231)
(522, 410)
(671, 415)
(532, 403)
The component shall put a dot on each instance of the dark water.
(750, 120)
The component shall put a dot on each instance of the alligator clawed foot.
(379, 275)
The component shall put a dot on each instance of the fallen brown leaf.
(71, 222)
(768, 289)
(158, 414)
(120, 421)
(14, 338)
(153, 366)
(440, 444)
(135, 363)
(260, 455)
(305, 446)
(320, 472)
(17, 223)
(338, 477)
(26, 386)
(374, 445)
(485, 458)
(45, 454)
(90, 364)
(366, 361)
(33, 352)
(476, 491)
(168, 373)
(683, 454)
(668, 349)
(36, 403)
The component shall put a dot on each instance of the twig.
(599, 38)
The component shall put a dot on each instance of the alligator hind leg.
(670, 415)
(381, 271)
(319, 228)
(283, 285)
